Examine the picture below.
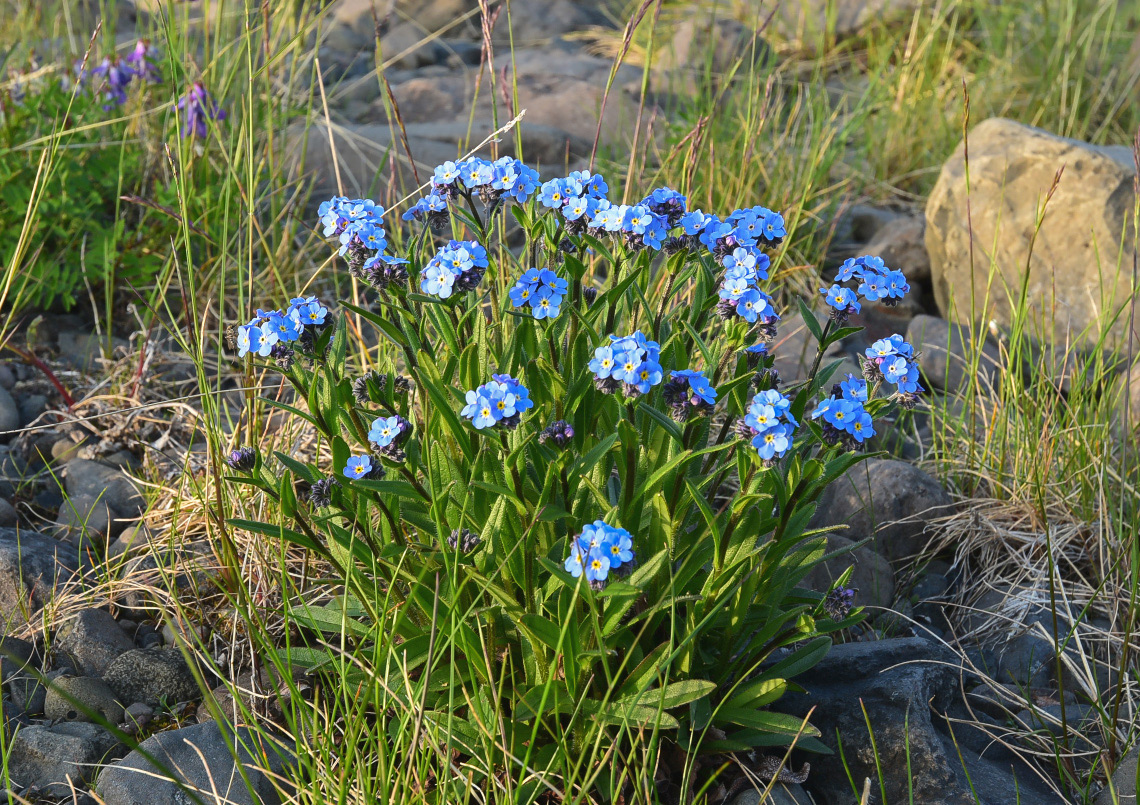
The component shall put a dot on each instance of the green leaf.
(673, 695)
(277, 532)
(810, 319)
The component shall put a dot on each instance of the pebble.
(10, 419)
(94, 639)
(65, 693)
(49, 756)
(8, 515)
(150, 675)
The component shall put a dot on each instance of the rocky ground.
(957, 676)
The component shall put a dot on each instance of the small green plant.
(533, 522)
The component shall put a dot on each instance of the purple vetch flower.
(197, 108)
(141, 61)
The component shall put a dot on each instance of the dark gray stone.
(872, 575)
(48, 757)
(945, 354)
(31, 406)
(9, 415)
(149, 675)
(781, 794)
(28, 694)
(890, 501)
(70, 698)
(8, 515)
(15, 656)
(1122, 791)
(101, 482)
(1027, 660)
(899, 684)
(31, 567)
(94, 639)
(181, 753)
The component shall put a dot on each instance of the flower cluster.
(769, 424)
(500, 402)
(320, 494)
(688, 392)
(242, 459)
(358, 225)
(431, 209)
(464, 541)
(839, 602)
(560, 432)
(541, 290)
(740, 293)
(599, 549)
(491, 181)
(270, 332)
(892, 359)
(844, 420)
(630, 362)
(113, 76)
(872, 281)
(197, 110)
(387, 434)
(457, 268)
(751, 226)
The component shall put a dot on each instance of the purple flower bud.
(197, 108)
(243, 459)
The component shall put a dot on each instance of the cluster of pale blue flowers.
(500, 402)
(271, 331)
(358, 225)
(599, 549)
(540, 290)
(506, 177)
(631, 362)
(871, 281)
(688, 392)
(892, 359)
(769, 424)
(457, 268)
(844, 420)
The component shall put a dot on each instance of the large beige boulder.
(1080, 271)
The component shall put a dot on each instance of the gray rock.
(69, 698)
(872, 576)
(781, 794)
(901, 243)
(48, 757)
(9, 517)
(946, 357)
(31, 567)
(94, 639)
(809, 21)
(9, 415)
(28, 694)
(31, 406)
(888, 500)
(1027, 660)
(13, 468)
(86, 351)
(202, 758)
(84, 520)
(1079, 717)
(16, 655)
(7, 377)
(139, 715)
(1122, 791)
(149, 675)
(133, 538)
(109, 484)
(537, 21)
(407, 46)
(898, 682)
(1073, 278)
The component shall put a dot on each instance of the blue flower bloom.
(774, 228)
(285, 326)
(841, 299)
(854, 389)
(554, 193)
(603, 363)
(873, 287)
(499, 402)
(263, 339)
(637, 219)
(458, 267)
(445, 174)
(774, 442)
(545, 304)
(599, 549)
(694, 222)
(358, 467)
(851, 269)
(385, 430)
